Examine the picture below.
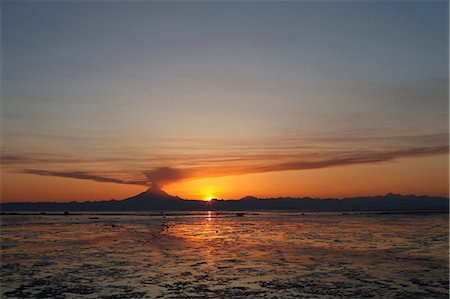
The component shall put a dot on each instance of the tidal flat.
(225, 255)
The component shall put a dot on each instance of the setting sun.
(224, 149)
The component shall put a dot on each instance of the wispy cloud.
(320, 161)
(81, 175)
(166, 175)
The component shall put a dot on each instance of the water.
(198, 255)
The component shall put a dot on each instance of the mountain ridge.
(156, 199)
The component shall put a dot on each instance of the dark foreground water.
(269, 255)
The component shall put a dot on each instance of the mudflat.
(225, 255)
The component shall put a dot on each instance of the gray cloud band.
(161, 176)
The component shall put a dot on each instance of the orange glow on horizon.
(420, 176)
(424, 175)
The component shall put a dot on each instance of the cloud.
(166, 175)
(81, 175)
(38, 158)
(237, 165)
(322, 160)
(354, 158)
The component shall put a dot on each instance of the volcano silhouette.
(156, 199)
(152, 193)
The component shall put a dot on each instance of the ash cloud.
(81, 175)
(349, 159)
(161, 176)
(165, 175)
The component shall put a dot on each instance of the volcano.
(154, 193)
(156, 199)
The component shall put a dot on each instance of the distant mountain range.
(155, 199)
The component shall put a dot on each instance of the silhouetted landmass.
(155, 199)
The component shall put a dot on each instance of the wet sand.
(264, 255)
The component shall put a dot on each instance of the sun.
(208, 194)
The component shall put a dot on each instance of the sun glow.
(209, 198)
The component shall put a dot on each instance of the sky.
(223, 99)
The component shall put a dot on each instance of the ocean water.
(225, 255)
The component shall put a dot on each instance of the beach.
(225, 255)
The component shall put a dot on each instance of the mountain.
(386, 202)
(155, 199)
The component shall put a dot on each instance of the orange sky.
(425, 175)
(223, 99)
